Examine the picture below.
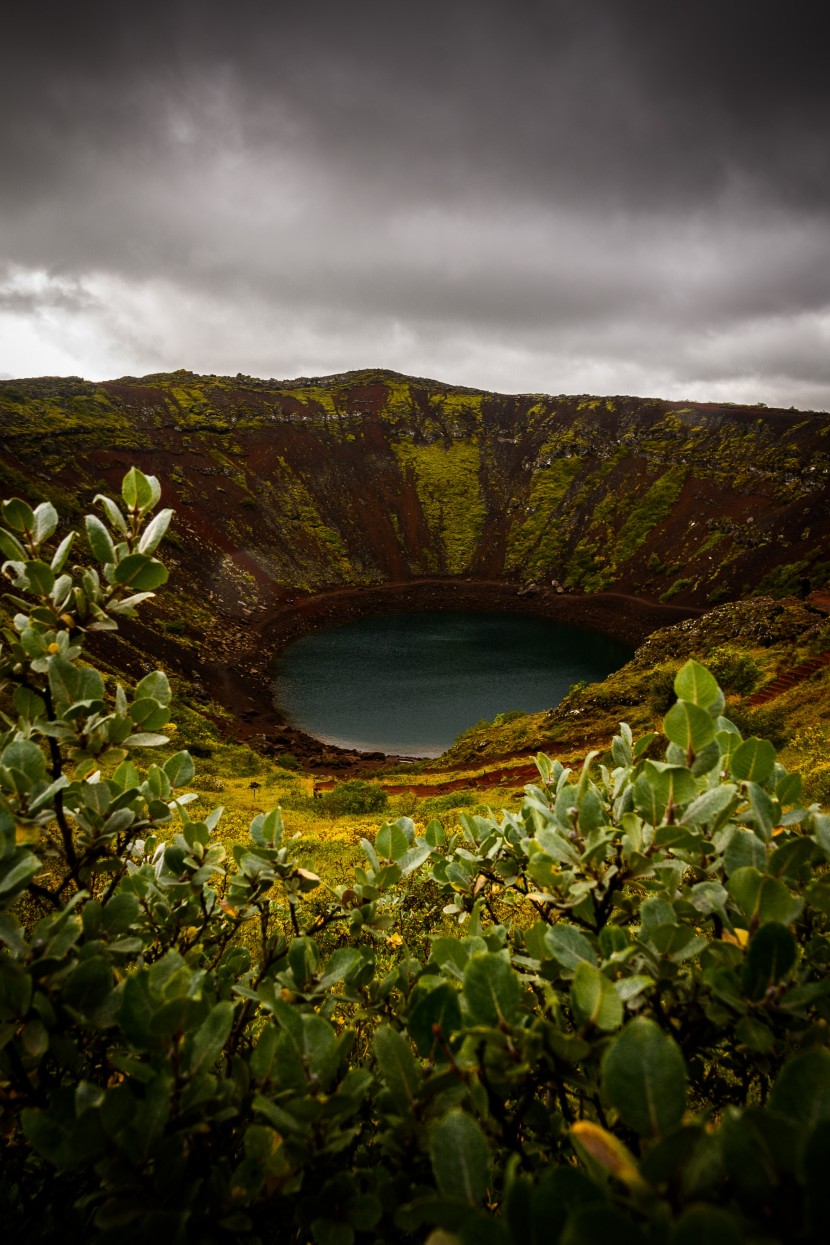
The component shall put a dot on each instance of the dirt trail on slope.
(789, 678)
(517, 768)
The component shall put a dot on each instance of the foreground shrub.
(355, 796)
(625, 1038)
(734, 669)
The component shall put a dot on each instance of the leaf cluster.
(621, 1027)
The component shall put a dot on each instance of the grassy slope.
(746, 649)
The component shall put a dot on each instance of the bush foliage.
(355, 796)
(619, 1030)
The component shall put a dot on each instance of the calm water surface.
(410, 683)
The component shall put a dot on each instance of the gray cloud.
(627, 197)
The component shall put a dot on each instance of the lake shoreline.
(244, 686)
(627, 618)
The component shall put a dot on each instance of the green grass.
(449, 491)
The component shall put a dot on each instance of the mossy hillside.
(580, 529)
(316, 551)
(446, 479)
(526, 486)
(747, 646)
(536, 542)
(654, 508)
(282, 489)
(56, 406)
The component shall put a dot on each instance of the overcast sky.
(605, 196)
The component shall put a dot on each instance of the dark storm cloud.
(605, 190)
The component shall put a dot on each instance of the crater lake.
(411, 683)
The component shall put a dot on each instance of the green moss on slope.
(535, 544)
(447, 483)
(654, 508)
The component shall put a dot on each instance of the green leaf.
(89, 986)
(766, 812)
(25, 756)
(303, 960)
(763, 898)
(454, 953)
(267, 829)
(414, 857)
(17, 870)
(644, 1077)
(391, 843)
(744, 849)
(772, 953)
(753, 760)
(263, 1053)
(676, 942)
(46, 521)
(149, 714)
(673, 783)
(154, 532)
(643, 744)
(594, 1000)
(802, 1089)
(788, 860)
(588, 1225)
(491, 989)
(659, 785)
(694, 683)
(646, 800)
(18, 515)
(319, 1045)
(707, 1225)
(679, 838)
(788, 790)
(179, 769)
(435, 1014)
(755, 1034)
(137, 1008)
(139, 572)
(710, 806)
(145, 739)
(363, 1211)
(821, 828)
(116, 518)
(154, 686)
(140, 492)
(11, 547)
(568, 946)
(339, 966)
(100, 541)
(41, 578)
(370, 854)
(435, 834)
(331, 1232)
(688, 726)
(460, 1157)
(211, 1036)
(397, 1065)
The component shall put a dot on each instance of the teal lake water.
(410, 683)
